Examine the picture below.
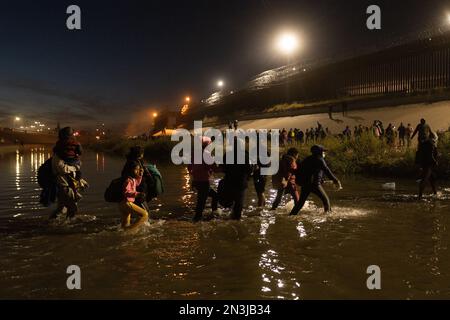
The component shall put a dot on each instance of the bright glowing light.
(287, 43)
(220, 83)
(448, 18)
(184, 109)
(97, 137)
(155, 114)
(188, 99)
(17, 119)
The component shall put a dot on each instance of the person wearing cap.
(310, 176)
(201, 174)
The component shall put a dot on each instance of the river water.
(265, 255)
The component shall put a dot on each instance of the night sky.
(133, 57)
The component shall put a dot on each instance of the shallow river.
(265, 255)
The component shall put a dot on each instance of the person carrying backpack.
(128, 207)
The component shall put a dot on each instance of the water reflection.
(27, 193)
(286, 257)
(272, 270)
(187, 194)
(100, 161)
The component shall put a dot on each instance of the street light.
(16, 119)
(155, 114)
(287, 43)
(188, 99)
(220, 83)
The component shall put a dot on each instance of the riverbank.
(369, 155)
(158, 149)
(364, 155)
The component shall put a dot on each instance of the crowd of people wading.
(139, 183)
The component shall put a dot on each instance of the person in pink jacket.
(133, 178)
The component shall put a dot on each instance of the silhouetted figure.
(401, 135)
(428, 162)
(310, 176)
(423, 130)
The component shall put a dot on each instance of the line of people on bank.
(401, 136)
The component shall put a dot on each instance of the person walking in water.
(284, 180)
(235, 181)
(66, 166)
(136, 154)
(310, 176)
(201, 175)
(259, 180)
(127, 207)
(428, 162)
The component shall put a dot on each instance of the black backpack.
(114, 193)
(45, 176)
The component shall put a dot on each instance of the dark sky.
(132, 57)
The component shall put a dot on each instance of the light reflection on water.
(266, 255)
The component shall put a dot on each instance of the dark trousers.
(427, 176)
(65, 201)
(203, 192)
(290, 188)
(238, 196)
(317, 190)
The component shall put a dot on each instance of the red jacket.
(201, 172)
(288, 166)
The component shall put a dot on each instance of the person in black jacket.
(236, 179)
(310, 176)
(428, 162)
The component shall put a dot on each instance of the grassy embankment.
(365, 155)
